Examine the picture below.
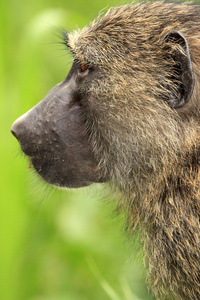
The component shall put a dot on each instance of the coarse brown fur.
(145, 147)
(155, 163)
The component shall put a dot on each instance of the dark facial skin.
(55, 136)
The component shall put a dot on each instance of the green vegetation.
(54, 245)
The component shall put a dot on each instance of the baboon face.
(55, 135)
(111, 117)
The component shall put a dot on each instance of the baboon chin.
(128, 113)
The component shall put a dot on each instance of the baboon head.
(116, 116)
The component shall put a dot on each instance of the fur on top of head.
(130, 30)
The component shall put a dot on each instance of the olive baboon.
(128, 113)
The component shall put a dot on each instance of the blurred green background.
(54, 245)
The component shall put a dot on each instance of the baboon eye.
(83, 71)
(83, 68)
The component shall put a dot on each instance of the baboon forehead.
(130, 30)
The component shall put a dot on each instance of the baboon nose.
(17, 129)
(20, 127)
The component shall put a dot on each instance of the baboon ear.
(182, 78)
